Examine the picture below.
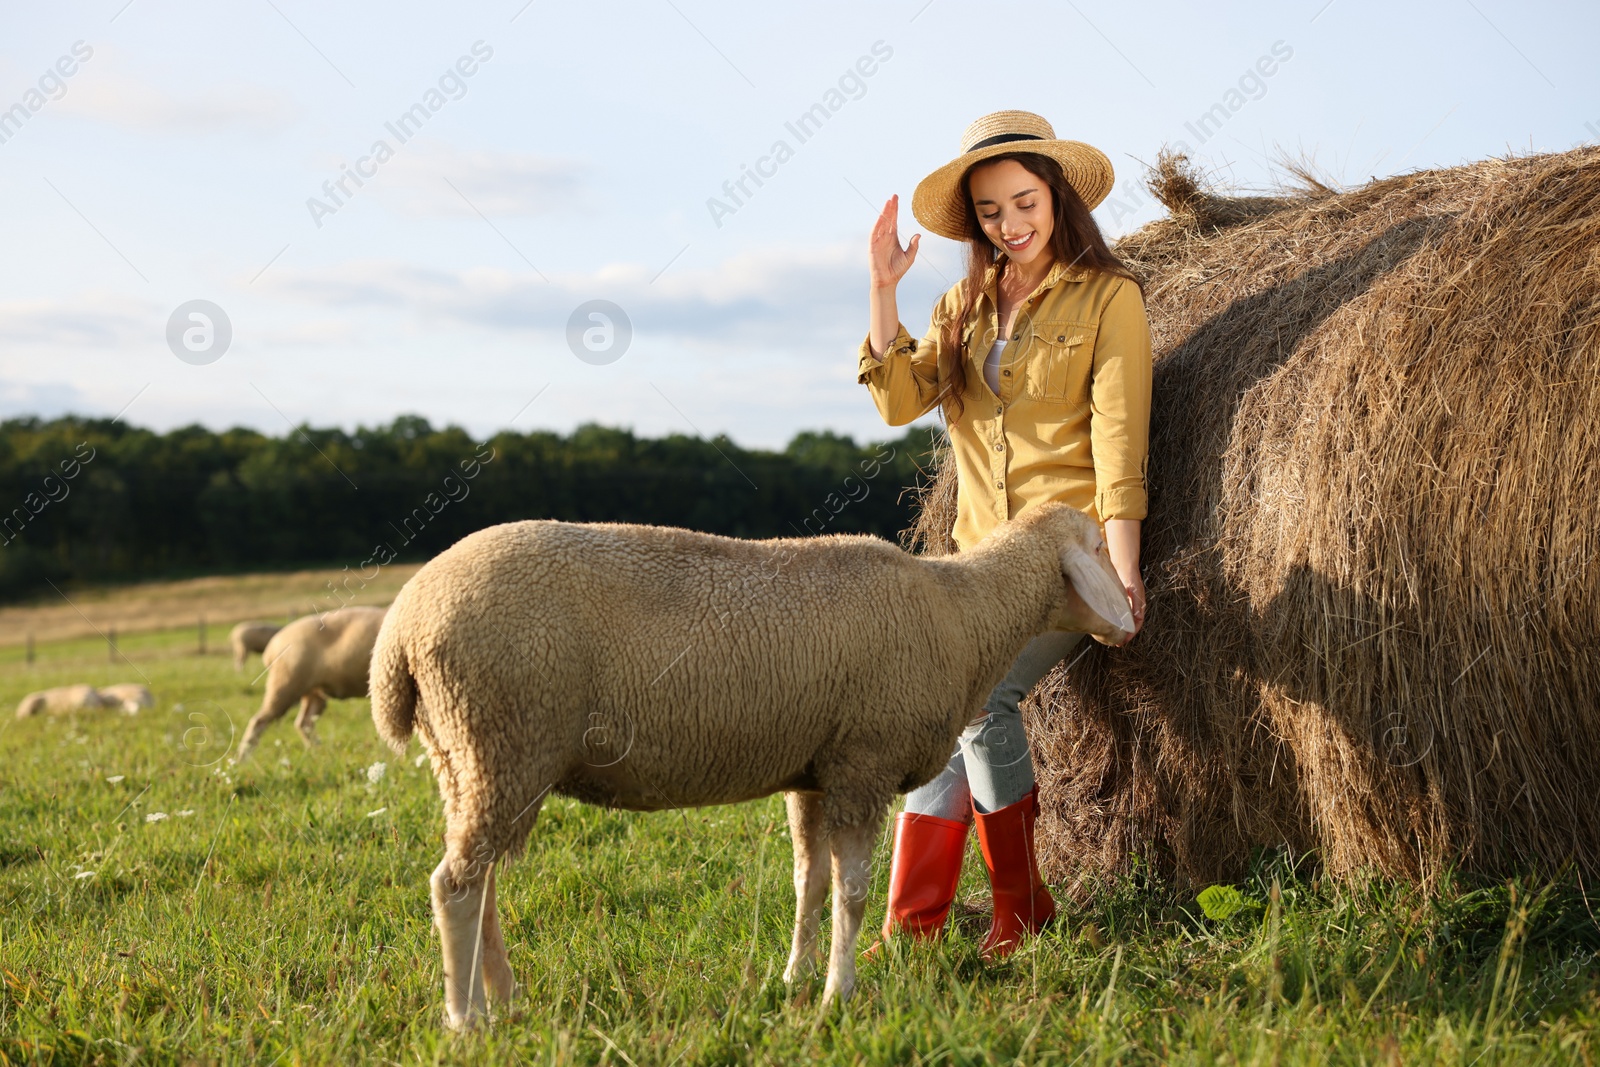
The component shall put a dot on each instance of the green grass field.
(158, 905)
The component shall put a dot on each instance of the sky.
(504, 165)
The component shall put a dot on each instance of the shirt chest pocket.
(1060, 359)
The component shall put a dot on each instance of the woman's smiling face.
(1014, 208)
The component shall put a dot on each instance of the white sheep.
(62, 699)
(311, 660)
(647, 668)
(248, 637)
(129, 696)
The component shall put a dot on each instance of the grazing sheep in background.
(311, 660)
(647, 668)
(129, 696)
(62, 699)
(248, 637)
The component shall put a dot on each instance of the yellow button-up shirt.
(1072, 420)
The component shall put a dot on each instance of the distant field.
(221, 601)
(158, 905)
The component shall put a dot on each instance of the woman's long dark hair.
(1075, 240)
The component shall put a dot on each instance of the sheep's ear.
(1101, 592)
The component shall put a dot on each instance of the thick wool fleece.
(650, 668)
(331, 652)
(57, 701)
(129, 696)
(311, 660)
(248, 637)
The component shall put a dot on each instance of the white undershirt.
(991, 365)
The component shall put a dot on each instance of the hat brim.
(938, 203)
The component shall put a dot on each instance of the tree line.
(86, 500)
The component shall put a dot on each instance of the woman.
(1040, 362)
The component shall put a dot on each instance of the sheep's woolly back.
(62, 698)
(330, 651)
(652, 668)
(252, 636)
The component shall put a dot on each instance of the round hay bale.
(1374, 598)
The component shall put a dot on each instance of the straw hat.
(938, 202)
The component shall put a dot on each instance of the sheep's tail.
(393, 688)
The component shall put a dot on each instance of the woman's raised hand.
(888, 261)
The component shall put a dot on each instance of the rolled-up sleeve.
(1119, 397)
(905, 383)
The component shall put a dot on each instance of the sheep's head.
(1095, 602)
(31, 704)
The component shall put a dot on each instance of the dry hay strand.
(1193, 204)
(932, 528)
(1370, 553)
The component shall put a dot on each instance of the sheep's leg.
(311, 706)
(810, 880)
(458, 909)
(500, 983)
(852, 879)
(238, 658)
(464, 907)
(273, 705)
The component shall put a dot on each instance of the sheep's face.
(1094, 601)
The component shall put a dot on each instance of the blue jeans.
(992, 767)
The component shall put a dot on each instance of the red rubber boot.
(1022, 903)
(922, 875)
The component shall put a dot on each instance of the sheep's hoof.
(463, 1024)
(840, 993)
(798, 970)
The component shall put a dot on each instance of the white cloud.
(783, 297)
(311, 333)
(120, 100)
(44, 399)
(417, 182)
(97, 321)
